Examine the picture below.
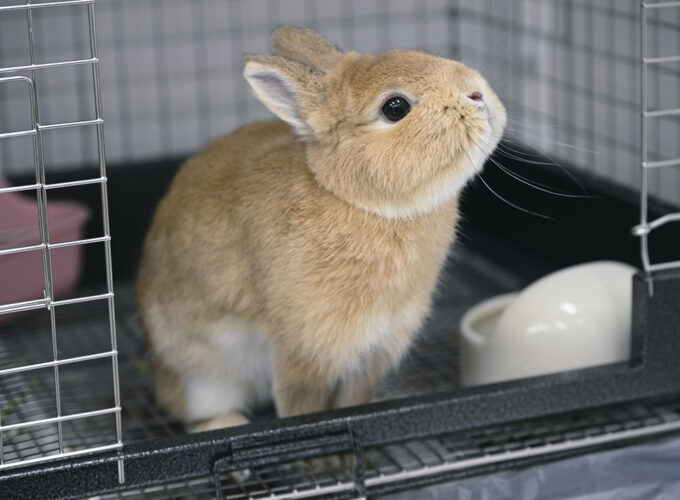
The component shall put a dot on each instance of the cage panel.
(17, 100)
(14, 352)
(88, 433)
(69, 144)
(25, 270)
(75, 340)
(75, 259)
(24, 229)
(14, 39)
(78, 394)
(74, 222)
(74, 86)
(61, 34)
(28, 396)
(61, 104)
(22, 445)
(17, 155)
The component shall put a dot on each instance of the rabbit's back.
(199, 258)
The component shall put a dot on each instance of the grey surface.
(647, 471)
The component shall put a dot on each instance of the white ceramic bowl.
(573, 318)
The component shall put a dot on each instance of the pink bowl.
(21, 274)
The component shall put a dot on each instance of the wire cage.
(35, 416)
(592, 89)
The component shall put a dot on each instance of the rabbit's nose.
(476, 96)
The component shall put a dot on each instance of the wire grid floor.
(430, 366)
(82, 329)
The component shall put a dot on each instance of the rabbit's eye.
(395, 108)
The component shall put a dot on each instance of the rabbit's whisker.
(504, 146)
(529, 182)
(536, 185)
(507, 202)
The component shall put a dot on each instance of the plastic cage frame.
(653, 372)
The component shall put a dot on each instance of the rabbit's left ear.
(288, 88)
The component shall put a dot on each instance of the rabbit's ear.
(288, 88)
(305, 45)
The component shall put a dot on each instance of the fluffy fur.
(296, 258)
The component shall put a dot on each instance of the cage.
(589, 166)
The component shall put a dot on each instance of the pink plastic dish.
(21, 274)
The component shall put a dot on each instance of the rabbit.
(294, 260)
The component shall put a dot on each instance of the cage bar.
(39, 66)
(31, 6)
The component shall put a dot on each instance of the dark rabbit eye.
(395, 108)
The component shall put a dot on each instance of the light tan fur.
(324, 236)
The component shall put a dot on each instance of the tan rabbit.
(295, 259)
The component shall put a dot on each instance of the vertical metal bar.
(57, 387)
(453, 31)
(571, 129)
(385, 41)
(517, 43)
(43, 219)
(272, 18)
(611, 82)
(119, 34)
(420, 16)
(348, 31)
(84, 144)
(7, 145)
(2, 443)
(655, 125)
(644, 248)
(505, 22)
(311, 14)
(236, 24)
(677, 124)
(202, 86)
(107, 232)
(159, 43)
(590, 78)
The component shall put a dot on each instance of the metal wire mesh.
(650, 117)
(40, 416)
(171, 69)
(567, 70)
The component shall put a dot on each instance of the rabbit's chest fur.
(365, 284)
(338, 283)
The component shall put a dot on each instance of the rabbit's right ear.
(307, 46)
(288, 88)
